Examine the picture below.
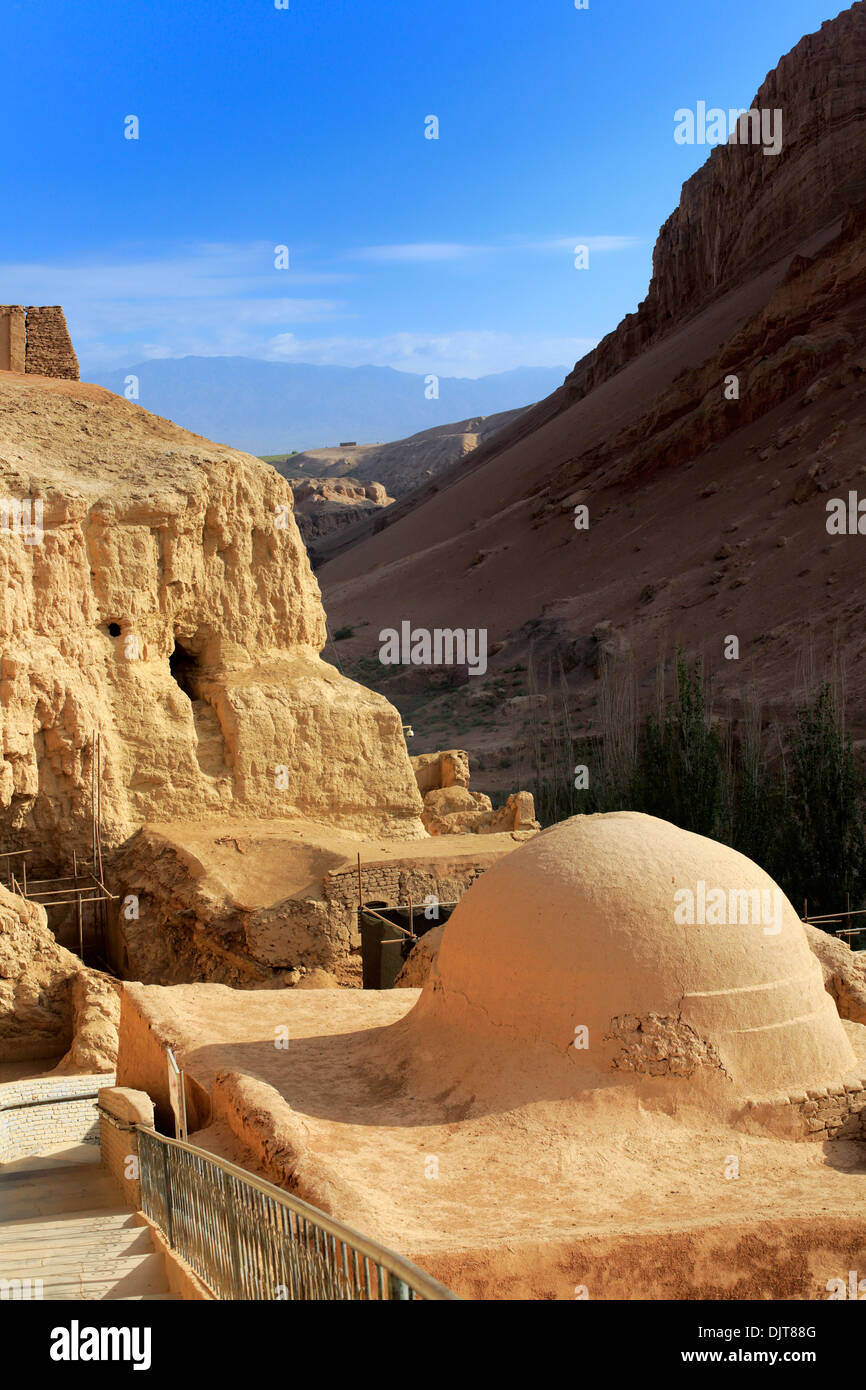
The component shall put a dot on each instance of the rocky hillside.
(705, 437)
(337, 495)
(403, 465)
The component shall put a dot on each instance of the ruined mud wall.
(49, 1002)
(49, 346)
(13, 338)
(187, 926)
(36, 340)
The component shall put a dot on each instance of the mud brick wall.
(394, 884)
(49, 347)
(13, 338)
(48, 1110)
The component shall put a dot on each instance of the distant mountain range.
(274, 407)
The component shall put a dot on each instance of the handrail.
(403, 1274)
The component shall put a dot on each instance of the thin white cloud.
(425, 252)
(216, 299)
(209, 299)
(199, 273)
(467, 353)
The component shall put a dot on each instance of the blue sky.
(305, 127)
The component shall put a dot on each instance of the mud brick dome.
(577, 930)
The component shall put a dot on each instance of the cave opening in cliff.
(183, 665)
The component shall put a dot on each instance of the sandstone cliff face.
(164, 597)
(742, 209)
(49, 1002)
(809, 336)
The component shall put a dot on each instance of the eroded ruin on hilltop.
(36, 340)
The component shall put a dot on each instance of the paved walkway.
(63, 1222)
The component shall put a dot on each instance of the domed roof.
(629, 945)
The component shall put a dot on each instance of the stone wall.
(394, 885)
(836, 1111)
(48, 1110)
(49, 346)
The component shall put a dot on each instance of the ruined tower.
(36, 340)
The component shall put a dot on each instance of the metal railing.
(247, 1239)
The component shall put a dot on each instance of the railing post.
(234, 1243)
(166, 1172)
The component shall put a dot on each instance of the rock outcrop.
(743, 209)
(450, 808)
(326, 505)
(49, 1002)
(157, 590)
